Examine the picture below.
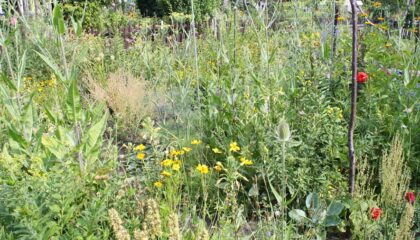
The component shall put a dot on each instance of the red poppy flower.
(409, 196)
(362, 77)
(375, 213)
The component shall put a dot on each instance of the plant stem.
(352, 159)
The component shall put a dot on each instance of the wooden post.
(352, 158)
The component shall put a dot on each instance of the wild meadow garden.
(209, 119)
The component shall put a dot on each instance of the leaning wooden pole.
(352, 158)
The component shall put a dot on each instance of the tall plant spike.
(352, 158)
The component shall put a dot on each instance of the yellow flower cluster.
(340, 18)
(234, 147)
(245, 161)
(335, 111)
(202, 168)
(377, 4)
(140, 148)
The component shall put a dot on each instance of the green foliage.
(202, 9)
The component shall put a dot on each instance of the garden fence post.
(352, 159)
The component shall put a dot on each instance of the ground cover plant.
(228, 122)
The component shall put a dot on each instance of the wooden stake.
(352, 158)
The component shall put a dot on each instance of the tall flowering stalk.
(352, 158)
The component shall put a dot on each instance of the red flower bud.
(362, 77)
(409, 196)
(375, 213)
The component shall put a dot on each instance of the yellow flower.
(363, 14)
(340, 18)
(370, 23)
(417, 18)
(218, 167)
(381, 18)
(377, 4)
(176, 167)
(141, 156)
(187, 149)
(216, 150)
(167, 162)
(158, 184)
(383, 28)
(330, 110)
(245, 161)
(140, 147)
(388, 45)
(195, 142)
(166, 173)
(203, 169)
(234, 147)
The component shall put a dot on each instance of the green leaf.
(53, 66)
(73, 106)
(297, 215)
(276, 194)
(58, 20)
(54, 146)
(335, 208)
(312, 201)
(77, 27)
(253, 191)
(95, 133)
(8, 82)
(332, 220)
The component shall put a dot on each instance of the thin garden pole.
(352, 159)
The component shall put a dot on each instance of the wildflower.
(174, 231)
(330, 110)
(117, 225)
(362, 77)
(141, 156)
(203, 169)
(363, 14)
(13, 21)
(196, 142)
(377, 4)
(234, 147)
(375, 213)
(216, 150)
(245, 161)
(388, 45)
(166, 173)
(167, 162)
(158, 184)
(153, 219)
(381, 18)
(284, 131)
(417, 18)
(409, 196)
(369, 23)
(385, 28)
(101, 177)
(340, 115)
(140, 147)
(187, 149)
(340, 18)
(414, 30)
(218, 167)
(176, 167)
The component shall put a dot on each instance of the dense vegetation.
(155, 122)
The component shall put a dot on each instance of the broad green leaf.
(95, 133)
(58, 20)
(297, 215)
(332, 220)
(312, 201)
(253, 191)
(276, 194)
(335, 208)
(77, 27)
(54, 146)
(73, 106)
(21, 71)
(17, 137)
